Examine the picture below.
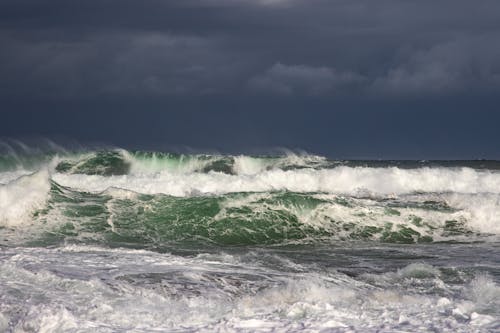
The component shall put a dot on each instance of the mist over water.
(115, 240)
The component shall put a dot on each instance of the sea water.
(115, 241)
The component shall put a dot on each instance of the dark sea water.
(121, 241)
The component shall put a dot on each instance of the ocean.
(133, 241)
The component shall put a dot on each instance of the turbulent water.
(114, 240)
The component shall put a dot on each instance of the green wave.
(120, 162)
(105, 163)
(108, 163)
(131, 219)
(178, 162)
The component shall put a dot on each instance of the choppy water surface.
(113, 241)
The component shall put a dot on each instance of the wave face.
(131, 241)
(151, 199)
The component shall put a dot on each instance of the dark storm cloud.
(329, 76)
(470, 64)
(310, 48)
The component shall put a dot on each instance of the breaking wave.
(150, 199)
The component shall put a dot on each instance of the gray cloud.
(457, 66)
(460, 66)
(161, 63)
(287, 47)
(131, 64)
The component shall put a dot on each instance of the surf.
(114, 239)
(150, 199)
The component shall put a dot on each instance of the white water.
(247, 165)
(54, 291)
(21, 196)
(343, 180)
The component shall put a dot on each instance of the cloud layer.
(285, 48)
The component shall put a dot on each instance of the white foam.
(8, 176)
(126, 290)
(44, 319)
(482, 301)
(4, 323)
(343, 179)
(484, 293)
(247, 165)
(20, 197)
(482, 211)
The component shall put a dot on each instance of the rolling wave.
(151, 199)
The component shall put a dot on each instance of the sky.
(387, 79)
